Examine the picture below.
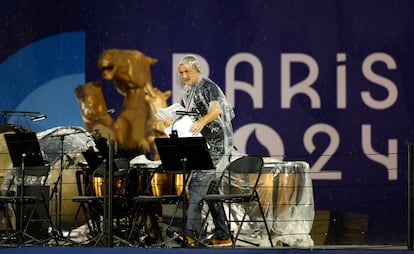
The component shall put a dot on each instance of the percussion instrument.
(125, 183)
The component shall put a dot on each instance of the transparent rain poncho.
(219, 133)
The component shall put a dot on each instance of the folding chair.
(149, 231)
(92, 207)
(243, 175)
(89, 204)
(30, 207)
(31, 203)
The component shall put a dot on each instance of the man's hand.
(197, 126)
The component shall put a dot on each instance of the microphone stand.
(57, 192)
(109, 191)
(59, 181)
(186, 113)
(6, 113)
(107, 233)
(21, 214)
(174, 133)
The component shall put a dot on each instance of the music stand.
(27, 144)
(180, 156)
(25, 153)
(184, 154)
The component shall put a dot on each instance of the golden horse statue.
(136, 126)
(93, 108)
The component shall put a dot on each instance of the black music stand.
(184, 154)
(181, 156)
(25, 154)
(24, 143)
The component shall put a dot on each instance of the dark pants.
(202, 183)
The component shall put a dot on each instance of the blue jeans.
(201, 183)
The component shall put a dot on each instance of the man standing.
(213, 121)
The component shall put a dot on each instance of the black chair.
(90, 205)
(30, 201)
(241, 187)
(91, 200)
(145, 225)
(31, 210)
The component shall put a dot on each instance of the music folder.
(184, 154)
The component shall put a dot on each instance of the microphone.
(38, 118)
(111, 111)
(186, 113)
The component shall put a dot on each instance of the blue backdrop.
(328, 82)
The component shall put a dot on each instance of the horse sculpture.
(93, 108)
(136, 126)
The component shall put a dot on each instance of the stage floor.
(173, 247)
(282, 250)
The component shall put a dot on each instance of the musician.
(213, 121)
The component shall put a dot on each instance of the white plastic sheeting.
(286, 194)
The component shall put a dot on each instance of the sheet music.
(169, 112)
(182, 126)
(142, 160)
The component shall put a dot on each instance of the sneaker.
(220, 242)
(188, 241)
